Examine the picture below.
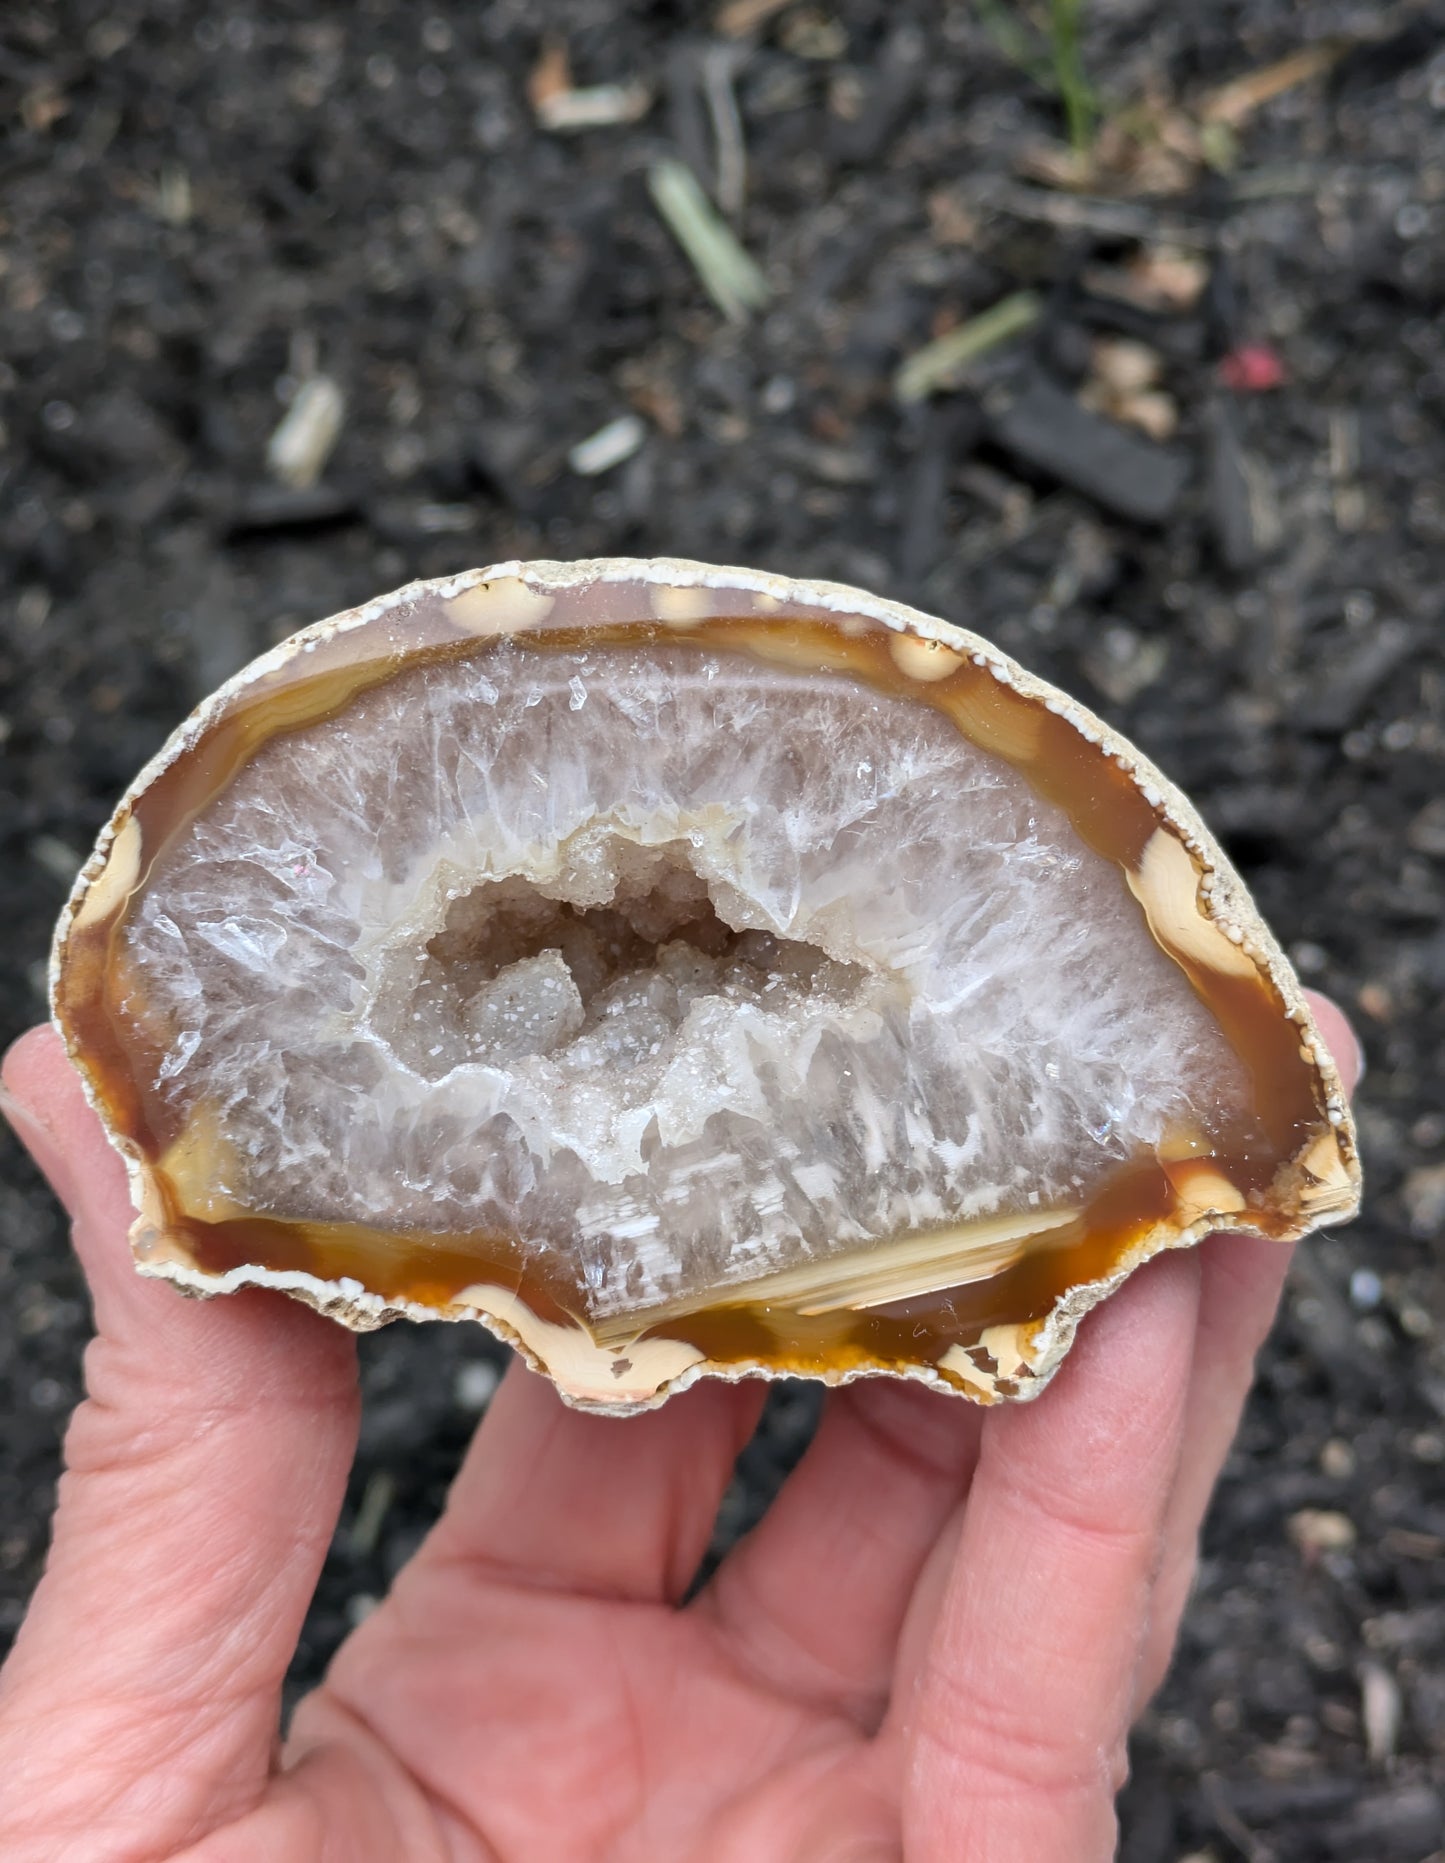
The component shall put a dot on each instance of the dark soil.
(202, 206)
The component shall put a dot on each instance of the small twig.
(732, 279)
(1231, 1825)
(1235, 102)
(939, 363)
(719, 67)
(1085, 214)
(1278, 181)
(376, 1502)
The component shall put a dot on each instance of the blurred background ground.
(205, 209)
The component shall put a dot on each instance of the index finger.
(204, 1475)
(1242, 1277)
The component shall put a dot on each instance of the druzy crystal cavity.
(683, 971)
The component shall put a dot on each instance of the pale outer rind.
(1028, 1357)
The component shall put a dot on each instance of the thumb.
(204, 1475)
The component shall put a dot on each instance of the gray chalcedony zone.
(678, 967)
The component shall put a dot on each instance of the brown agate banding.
(986, 1304)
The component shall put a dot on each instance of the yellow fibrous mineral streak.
(582, 1365)
(682, 607)
(1331, 1187)
(781, 647)
(197, 1165)
(1166, 884)
(903, 1269)
(504, 605)
(1011, 731)
(116, 880)
(1008, 1347)
(1201, 1190)
(923, 660)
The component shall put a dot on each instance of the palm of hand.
(532, 1688)
(542, 1683)
(932, 1646)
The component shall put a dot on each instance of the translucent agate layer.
(682, 971)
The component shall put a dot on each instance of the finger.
(888, 1465)
(881, 1478)
(1340, 1038)
(204, 1474)
(614, 1507)
(1014, 1724)
(1242, 1279)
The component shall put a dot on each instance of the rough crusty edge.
(1223, 898)
(349, 1304)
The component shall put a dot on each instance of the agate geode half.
(683, 971)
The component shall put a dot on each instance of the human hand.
(932, 1647)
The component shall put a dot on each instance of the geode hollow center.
(680, 994)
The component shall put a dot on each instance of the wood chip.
(1166, 279)
(1041, 425)
(1125, 366)
(1337, 1459)
(1317, 1530)
(1125, 386)
(951, 221)
(608, 447)
(563, 109)
(550, 77)
(1424, 1195)
(173, 195)
(1412, 1545)
(740, 17)
(307, 433)
(1380, 1711)
(599, 106)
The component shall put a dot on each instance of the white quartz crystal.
(675, 966)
